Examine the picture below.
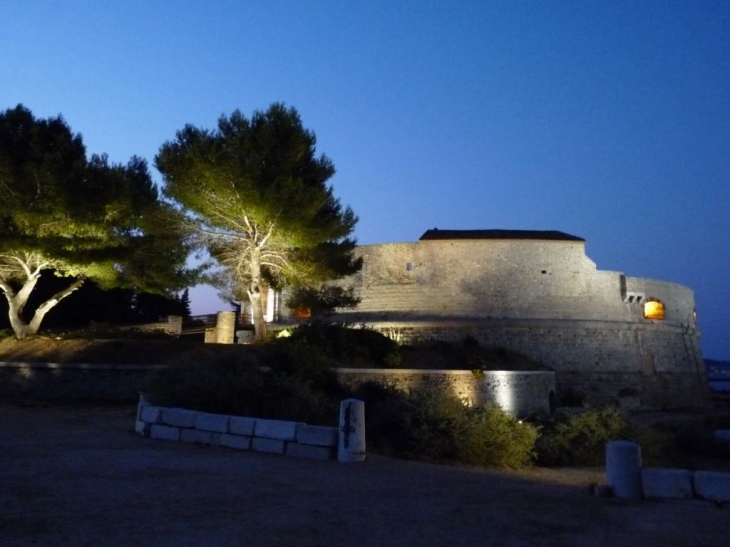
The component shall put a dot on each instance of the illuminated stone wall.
(518, 393)
(544, 299)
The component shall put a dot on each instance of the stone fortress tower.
(608, 337)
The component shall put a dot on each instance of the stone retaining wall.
(544, 299)
(598, 361)
(241, 433)
(72, 381)
(519, 393)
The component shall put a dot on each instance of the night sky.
(606, 120)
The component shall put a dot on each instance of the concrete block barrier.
(667, 483)
(316, 435)
(200, 437)
(179, 417)
(150, 414)
(165, 432)
(237, 432)
(241, 426)
(141, 428)
(212, 422)
(276, 429)
(271, 446)
(239, 442)
(713, 485)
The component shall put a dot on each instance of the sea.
(718, 375)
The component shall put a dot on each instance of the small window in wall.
(653, 309)
(631, 297)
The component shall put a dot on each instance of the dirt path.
(77, 477)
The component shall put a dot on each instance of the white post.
(351, 443)
(623, 469)
(140, 427)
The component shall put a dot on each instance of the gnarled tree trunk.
(18, 300)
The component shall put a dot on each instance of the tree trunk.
(254, 297)
(17, 302)
(257, 314)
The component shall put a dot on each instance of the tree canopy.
(83, 218)
(258, 198)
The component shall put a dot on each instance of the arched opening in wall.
(654, 309)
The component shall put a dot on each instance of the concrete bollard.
(623, 469)
(351, 442)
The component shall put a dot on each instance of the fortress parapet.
(607, 336)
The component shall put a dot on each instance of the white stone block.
(667, 483)
(317, 435)
(200, 437)
(180, 417)
(712, 485)
(311, 452)
(141, 428)
(150, 414)
(241, 426)
(239, 442)
(272, 446)
(165, 432)
(212, 422)
(276, 429)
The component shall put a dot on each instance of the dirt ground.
(80, 477)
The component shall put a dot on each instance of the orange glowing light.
(654, 310)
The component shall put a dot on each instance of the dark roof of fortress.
(553, 235)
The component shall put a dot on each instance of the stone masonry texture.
(544, 299)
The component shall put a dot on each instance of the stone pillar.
(351, 443)
(174, 324)
(623, 469)
(210, 337)
(225, 327)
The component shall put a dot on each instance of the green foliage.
(259, 200)
(82, 218)
(580, 439)
(348, 345)
(242, 387)
(431, 424)
(322, 302)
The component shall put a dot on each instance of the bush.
(580, 439)
(244, 388)
(431, 424)
(346, 345)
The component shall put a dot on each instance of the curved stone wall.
(545, 299)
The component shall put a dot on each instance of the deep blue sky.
(607, 120)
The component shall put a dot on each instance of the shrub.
(431, 424)
(347, 345)
(495, 438)
(238, 387)
(385, 407)
(580, 439)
